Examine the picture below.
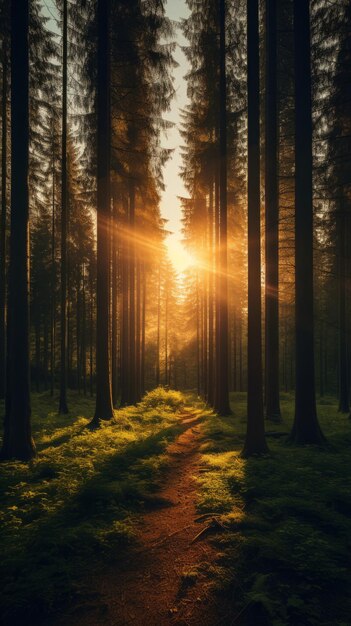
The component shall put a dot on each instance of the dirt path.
(165, 581)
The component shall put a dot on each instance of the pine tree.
(255, 438)
(18, 442)
(306, 429)
(3, 215)
(221, 401)
(103, 408)
(272, 220)
(63, 407)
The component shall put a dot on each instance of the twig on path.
(204, 516)
(214, 525)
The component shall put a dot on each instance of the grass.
(288, 515)
(79, 499)
(286, 552)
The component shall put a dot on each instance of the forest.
(175, 300)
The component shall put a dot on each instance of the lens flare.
(181, 259)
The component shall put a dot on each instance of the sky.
(170, 204)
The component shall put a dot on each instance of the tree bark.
(222, 379)
(158, 327)
(84, 335)
(18, 442)
(53, 273)
(125, 317)
(3, 220)
(255, 442)
(132, 387)
(306, 429)
(63, 408)
(272, 220)
(210, 369)
(114, 306)
(91, 334)
(344, 369)
(103, 407)
(143, 330)
(138, 333)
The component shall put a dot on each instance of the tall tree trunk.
(91, 334)
(53, 273)
(158, 346)
(241, 377)
(84, 335)
(3, 220)
(222, 387)
(321, 358)
(124, 367)
(132, 388)
(344, 370)
(63, 408)
(143, 329)
(255, 437)
(306, 429)
(114, 306)
(205, 333)
(78, 335)
(37, 352)
(210, 369)
(138, 333)
(45, 351)
(217, 343)
(166, 336)
(103, 407)
(272, 220)
(234, 364)
(198, 380)
(18, 442)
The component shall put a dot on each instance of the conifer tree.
(103, 408)
(18, 442)
(255, 438)
(272, 219)
(306, 429)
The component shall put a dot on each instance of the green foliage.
(288, 518)
(79, 498)
(162, 397)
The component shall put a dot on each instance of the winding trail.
(165, 580)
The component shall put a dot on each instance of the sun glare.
(178, 254)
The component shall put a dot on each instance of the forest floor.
(165, 580)
(101, 528)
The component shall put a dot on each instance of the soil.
(166, 580)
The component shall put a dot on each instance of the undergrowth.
(79, 498)
(286, 552)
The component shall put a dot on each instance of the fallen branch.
(206, 515)
(214, 525)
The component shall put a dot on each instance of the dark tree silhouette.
(103, 407)
(221, 403)
(3, 215)
(63, 408)
(255, 438)
(272, 217)
(306, 429)
(18, 442)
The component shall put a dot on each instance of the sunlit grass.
(80, 497)
(288, 519)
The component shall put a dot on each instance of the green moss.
(80, 497)
(288, 518)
